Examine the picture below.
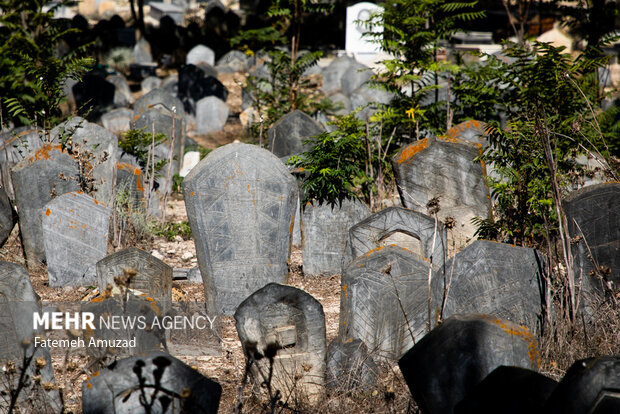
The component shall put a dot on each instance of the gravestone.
(350, 366)
(240, 202)
(284, 327)
(233, 61)
(593, 213)
(129, 181)
(355, 41)
(117, 120)
(324, 230)
(122, 93)
(150, 83)
(369, 99)
(91, 138)
(499, 279)
(211, 115)
(456, 180)
(195, 84)
(508, 390)
(152, 276)
(335, 72)
(341, 99)
(36, 179)
(142, 52)
(368, 234)
(7, 217)
(190, 160)
(200, 53)
(589, 386)
(159, 10)
(75, 237)
(17, 144)
(94, 92)
(384, 301)
(287, 135)
(458, 354)
(117, 389)
(356, 76)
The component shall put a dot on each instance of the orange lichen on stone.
(191, 194)
(373, 250)
(344, 289)
(522, 332)
(48, 212)
(412, 149)
(136, 117)
(43, 153)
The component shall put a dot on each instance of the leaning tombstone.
(39, 177)
(287, 135)
(240, 202)
(350, 366)
(323, 234)
(75, 237)
(496, 278)
(7, 217)
(384, 301)
(458, 354)
(589, 386)
(171, 386)
(282, 330)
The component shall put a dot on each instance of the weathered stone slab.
(75, 237)
(508, 390)
(17, 144)
(356, 76)
(159, 98)
(8, 218)
(211, 114)
(152, 276)
(233, 61)
(456, 356)
(150, 83)
(324, 234)
(594, 214)
(122, 93)
(286, 136)
(498, 279)
(117, 120)
(335, 72)
(130, 185)
(369, 99)
(384, 301)
(285, 326)
(142, 52)
(589, 386)
(177, 388)
(240, 202)
(369, 234)
(35, 179)
(444, 169)
(200, 53)
(350, 366)
(471, 131)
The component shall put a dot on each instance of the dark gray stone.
(384, 301)
(195, 84)
(75, 237)
(170, 84)
(593, 213)
(117, 120)
(590, 386)
(122, 93)
(142, 52)
(94, 92)
(17, 144)
(284, 326)
(324, 231)
(498, 279)
(159, 98)
(286, 136)
(211, 115)
(458, 354)
(35, 179)
(444, 169)
(116, 389)
(240, 202)
(8, 218)
(508, 390)
(370, 233)
(200, 53)
(350, 366)
(153, 277)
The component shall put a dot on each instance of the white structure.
(355, 42)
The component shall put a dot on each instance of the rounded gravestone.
(200, 53)
(211, 115)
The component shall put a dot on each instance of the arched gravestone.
(35, 180)
(384, 301)
(589, 386)
(286, 325)
(75, 237)
(508, 390)
(240, 202)
(496, 278)
(350, 366)
(458, 354)
(594, 213)
(324, 234)
(287, 135)
(153, 277)
(445, 169)
(168, 383)
(18, 304)
(368, 233)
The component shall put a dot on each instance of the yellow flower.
(411, 113)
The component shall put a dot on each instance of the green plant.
(140, 144)
(170, 230)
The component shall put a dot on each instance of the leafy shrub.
(138, 143)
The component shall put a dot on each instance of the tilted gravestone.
(200, 53)
(211, 115)
(458, 354)
(593, 215)
(152, 276)
(130, 185)
(369, 233)
(589, 386)
(496, 278)
(286, 136)
(384, 301)
(240, 202)
(350, 366)
(75, 237)
(7, 217)
(167, 383)
(35, 180)
(284, 327)
(508, 390)
(444, 169)
(324, 230)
